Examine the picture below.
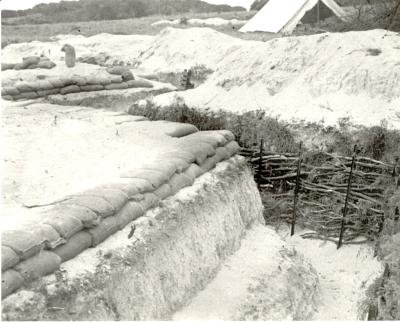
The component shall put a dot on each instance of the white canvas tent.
(284, 15)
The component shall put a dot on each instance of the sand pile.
(112, 49)
(176, 49)
(313, 78)
(318, 78)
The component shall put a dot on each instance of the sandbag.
(50, 238)
(70, 89)
(66, 226)
(9, 90)
(11, 280)
(200, 150)
(24, 87)
(116, 79)
(128, 187)
(75, 245)
(117, 198)
(42, 85)
(164, 191)
(232, 148)
(164, 166)
(149, 200)
(106, 228)
(227, 134)
(181, 130)
(41, 264)
(128, 213)
(88, 217)
(211, 137)
(47, 64)
(179, 156)
(155, 177)
(91, 88)
(9, 258)
(97, 204)
(142, 185)
(31, 60)
(66, 81)
(33, 66)
(139, 83)
(179, 181)
(116, 86)
(56, 82)
(70, 56)
(93, 80)
(18, 66)
(48, 92)
(78, 80)
(193, 171)
(7, 97)
(180, 163)
(117, 70)
(7, 66)
(102, 80)
(26, 95)
(127, 76)
(209, 164)
(23, 243)
(222, 154)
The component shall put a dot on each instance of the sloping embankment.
(314, 78)
(175, 251)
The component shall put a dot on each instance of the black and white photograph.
(224, 160)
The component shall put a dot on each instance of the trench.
(204, 254)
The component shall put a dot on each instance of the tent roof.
(283, 15)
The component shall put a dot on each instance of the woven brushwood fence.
(338, 197)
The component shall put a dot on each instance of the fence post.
(260, 161)
(296, 191)
(353, 160)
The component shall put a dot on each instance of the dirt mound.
(315, 78)
(318, 78)
(176, 49)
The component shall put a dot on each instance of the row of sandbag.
(67, 85)
(31, 62)
(85, 220)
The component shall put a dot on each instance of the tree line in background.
(89, 10)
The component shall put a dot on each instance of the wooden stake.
(296, 191)
(260, 164)
(353, 160)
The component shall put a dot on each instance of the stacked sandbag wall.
(31, 62)
(66, 85)
(84, 220)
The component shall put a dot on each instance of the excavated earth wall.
(175, 250)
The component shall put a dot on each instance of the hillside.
(89, 10)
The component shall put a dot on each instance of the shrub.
(248, 128)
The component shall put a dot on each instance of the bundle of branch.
(320, 208)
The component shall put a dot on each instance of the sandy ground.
(344, 274)
(51, 151)
(256, 283)
(319, 78)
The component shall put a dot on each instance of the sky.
(27, 4)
